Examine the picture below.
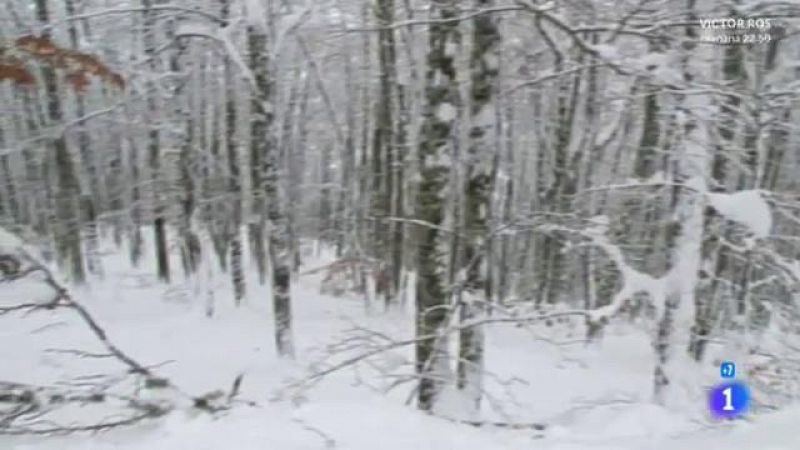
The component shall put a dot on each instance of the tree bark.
(483, 67)
(269, 185)
(441, 105)
(234, 185)
(154, 149)
(67, 235)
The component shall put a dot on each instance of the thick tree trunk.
(264, 148)
(711, 289)
(90, 200)
(384, 147)
(441, 106)
(691, 162)
(67, 226)
(483, 64)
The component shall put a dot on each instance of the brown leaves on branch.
(12, 69)
(16, 58)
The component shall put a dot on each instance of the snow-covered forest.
(494, 224)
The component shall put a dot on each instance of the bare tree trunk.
(440, 113)
(556, 196)
(90, 200)
(135, 193)
(483, 64)
(295, 154)
(9, 206)
(154, 150)
(362, 200)
(68, 238)
(384, 150)
(346, 215)
(263, 146)
(690, 163)
(234, 175)
(326, 197)
(721, 258)
(400, 152)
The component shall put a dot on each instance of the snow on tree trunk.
(557, 195)
(92, 239)
(264, 148)
(400, 152)
(10, 204)
(484, 60)
(712, 290)
(384, 150)
(234, 186)
(67, 226)
(91, 198)
(436, 140)
(690, 165)
(154, 148)
(258, 142)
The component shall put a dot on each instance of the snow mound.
(605, 51)
(627, 421)
(745, 207)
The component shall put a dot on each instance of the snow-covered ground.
(592, 398)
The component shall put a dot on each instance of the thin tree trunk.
(154, 150)
(234, 174)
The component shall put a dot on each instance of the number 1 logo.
(729, 400)
(728, 393)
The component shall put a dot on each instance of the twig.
(329, 441)
(509, 425)
(64, 298)
(150, 413)
(78, 353)
(316, 377)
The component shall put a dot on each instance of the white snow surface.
(744, 207)
(592, 397)
(9, 243)
(194, 28)
(256, 12)
(446, 112)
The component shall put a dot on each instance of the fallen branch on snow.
(25, 409)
